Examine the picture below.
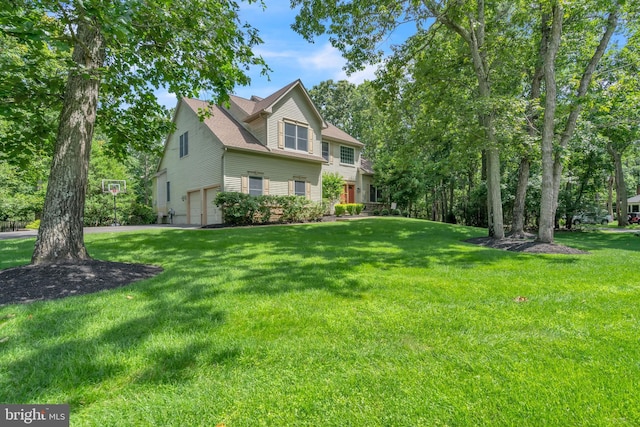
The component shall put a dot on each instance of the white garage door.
(214, 215)
(195, 208)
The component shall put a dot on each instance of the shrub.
(237, 208)
(359, 208)
(376, 212)
(243, 209)
(33, 225)
(384, 212)
(340, 209)
(396, 212)
(142, 214)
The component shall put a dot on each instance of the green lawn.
(376, 322)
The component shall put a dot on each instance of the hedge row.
(350, 208)
(243, 209)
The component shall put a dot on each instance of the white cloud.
(329, 60)
(169, 100)
(369, 73)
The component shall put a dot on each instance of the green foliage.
(237, 208)
(33, 225)
(99, 206)
(244, 209)
(350, 208)
(32, 76)
(21, 192)
(332, 185)
(387, 311)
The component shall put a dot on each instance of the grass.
(376, 322)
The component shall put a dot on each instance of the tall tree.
(359, 43)
(615, 111)
(121, 52)
(552, 157)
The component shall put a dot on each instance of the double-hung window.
(255, 185)
(325, 151)
(184, 144)
(347, 155)
(296, 137)
(300, 188)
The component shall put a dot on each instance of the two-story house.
(275, 145)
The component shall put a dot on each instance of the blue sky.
(288, 55)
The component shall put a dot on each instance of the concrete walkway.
(89, 230)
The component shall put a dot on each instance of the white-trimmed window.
(325, 150)
(184, 144)
(168, 191)
(347, 155)
(255, 185)
(296, 137)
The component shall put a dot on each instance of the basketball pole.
(115, 210)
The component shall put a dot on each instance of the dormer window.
(296, 137)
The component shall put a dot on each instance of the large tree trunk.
(60, 238)
(576, 107)
(519, 205)
(517, 225)
(621, 189)
(474, 36)
(610, 183)
(547, 211)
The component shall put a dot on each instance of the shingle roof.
(366, 166)
(234, 136)
(256, 105)
(634, 199)
(333, 132)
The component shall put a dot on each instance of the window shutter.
(311, 141)
(308, 189)
(244, 185)
(291, 187)
(265, 186)
(280, 134)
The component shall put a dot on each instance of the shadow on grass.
(70, 345)
(281, 259)
(155, 337)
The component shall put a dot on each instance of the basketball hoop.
(114, 191)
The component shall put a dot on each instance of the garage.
(194, 207)
(213, 213)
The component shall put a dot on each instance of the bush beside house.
(244, 209)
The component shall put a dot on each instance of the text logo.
(34, 415)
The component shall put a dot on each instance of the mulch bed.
(31, 283)
(525, 245)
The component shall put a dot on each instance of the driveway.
(89, 230)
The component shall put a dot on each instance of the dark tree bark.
(621, 189)
(60, 238)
